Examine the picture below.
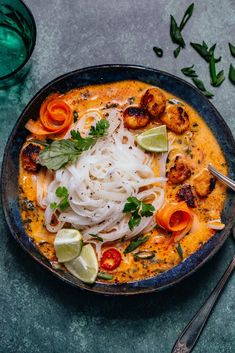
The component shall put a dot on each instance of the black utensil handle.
(192, 331)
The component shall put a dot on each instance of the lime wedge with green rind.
(67, 244)
(154, 140)
(84, 267)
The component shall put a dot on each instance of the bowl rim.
(34, 31)
(142, 290)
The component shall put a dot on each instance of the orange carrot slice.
(174, 217)
(55, 117)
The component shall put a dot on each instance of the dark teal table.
(38, 313)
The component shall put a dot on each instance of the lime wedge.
(84, 267)
(154, 140)
(68, 244)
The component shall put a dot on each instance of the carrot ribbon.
(55, 117)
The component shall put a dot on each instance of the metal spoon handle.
(227, 181)
(192, 331)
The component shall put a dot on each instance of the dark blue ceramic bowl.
(104, 74)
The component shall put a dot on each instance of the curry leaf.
(176, 51)
(175, 33)
(202, 50)
(200, 85)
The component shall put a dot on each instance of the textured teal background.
(38, 313)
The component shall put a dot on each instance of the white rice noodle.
(43, 179)
(216, 224)
(99, 184)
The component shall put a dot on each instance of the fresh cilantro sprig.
(100, 129)
(137, 209)
(63, 194)
(60, 152)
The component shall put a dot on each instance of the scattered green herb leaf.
(231, 74)
(100, 129)
(202, 50)
(189, 71)
(179, 250)
(158, 51)
(96, 236)
(200, 85)
(105, 275)
(53, 206)
(216, 80)
(175, 30)
(135, 243)
(75, 116)
(62, 193)
(137, 209)
(232, 49)
(176, 51)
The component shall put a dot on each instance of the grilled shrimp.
(29, 157)
(176, 119)
(204, 183)
(179, 172)
(135, 118)
(154, 101)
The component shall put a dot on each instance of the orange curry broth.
(203, 148)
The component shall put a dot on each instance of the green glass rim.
(34, 33)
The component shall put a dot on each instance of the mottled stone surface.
(38, 313)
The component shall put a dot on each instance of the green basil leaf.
(232, 49)
(175, 33)
(158, 51)
(187, 15)
(135, 243)
(231, 74)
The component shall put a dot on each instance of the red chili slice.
(111, 259)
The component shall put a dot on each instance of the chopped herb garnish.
(135, 243)
(175, 30)
(96, 237)
(75, 116)
(105, 275)
(179, 250)
(202, 50)
(232, 49)
(158, 51)
(137, 209)
(200, 85)
(100, 129)
(62, 193)
(216, 79)
(189, 71)
(231, 74)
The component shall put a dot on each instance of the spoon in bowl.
(188, 338)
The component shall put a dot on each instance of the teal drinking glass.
(17, 41)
